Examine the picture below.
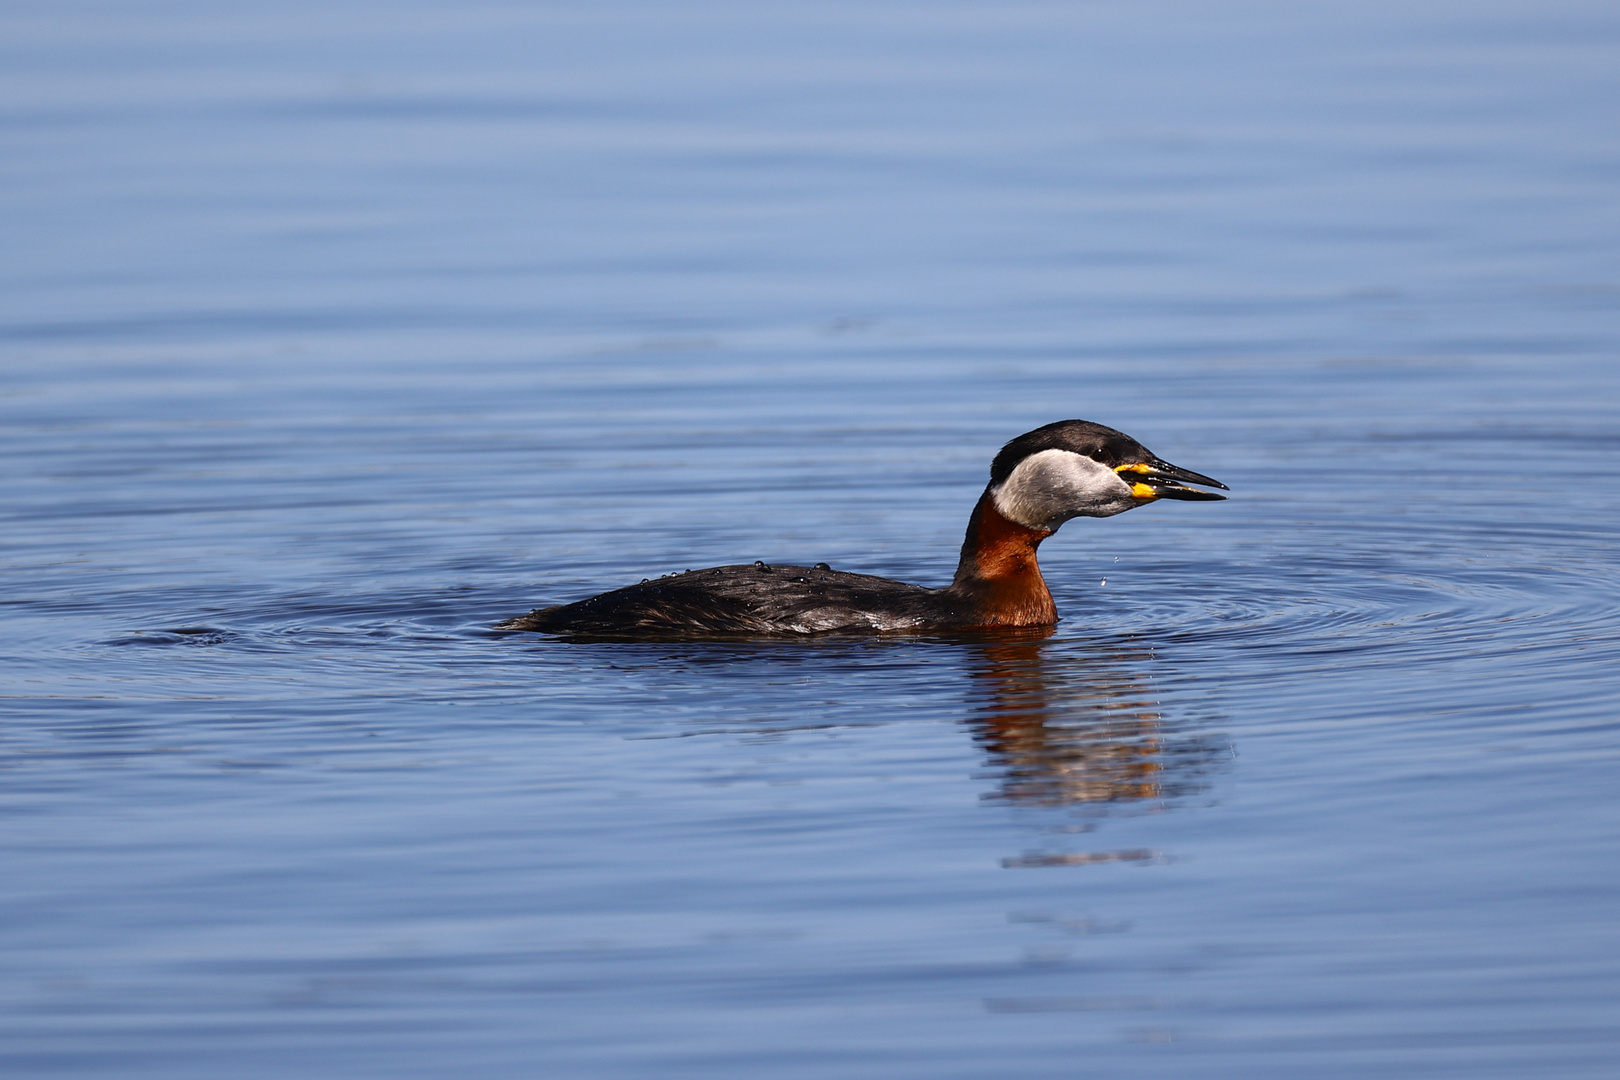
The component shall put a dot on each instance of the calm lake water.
(332, 334)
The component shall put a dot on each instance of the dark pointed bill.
(1158, 479)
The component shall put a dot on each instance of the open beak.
(1156, 479)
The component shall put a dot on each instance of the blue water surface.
(331, 335)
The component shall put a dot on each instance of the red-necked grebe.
(1041, 479)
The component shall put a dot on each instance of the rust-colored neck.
(998, 580)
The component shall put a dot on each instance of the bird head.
(1075, 468)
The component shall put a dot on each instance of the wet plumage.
(748, 599)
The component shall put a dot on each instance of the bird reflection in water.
(1064, 729)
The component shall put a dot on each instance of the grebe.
(1041, 479)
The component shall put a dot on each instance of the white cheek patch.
(1052, 486)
